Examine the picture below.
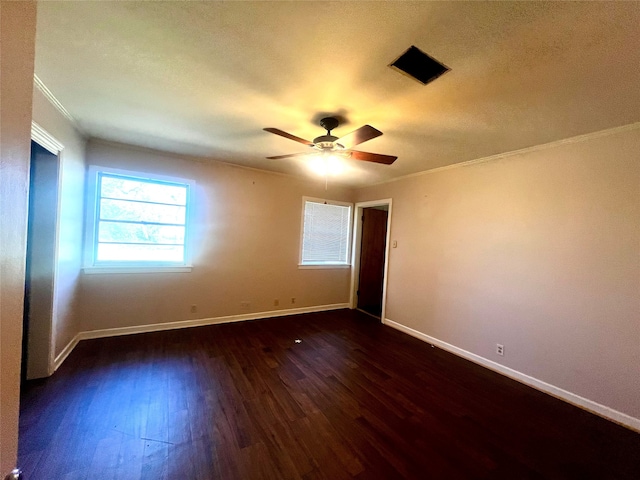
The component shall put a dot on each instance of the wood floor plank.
(353, 400)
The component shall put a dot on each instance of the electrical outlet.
(500, 349)
(293, 299)
(245, 304)
(194, 308)
(276, 302)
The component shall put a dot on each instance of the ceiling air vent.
(419, 66)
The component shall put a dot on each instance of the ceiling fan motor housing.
(329, 123)
(327, 141)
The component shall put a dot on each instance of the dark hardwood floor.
(354, 399)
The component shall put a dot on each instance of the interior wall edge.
(17, 41)
(608, 413)
(52, 130)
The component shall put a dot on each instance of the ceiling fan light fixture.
(327, 164)
(325, 141)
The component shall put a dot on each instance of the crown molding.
(52, 99)
(203, 159)
(500, 156)
(44, 139)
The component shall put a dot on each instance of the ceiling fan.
(342, 147)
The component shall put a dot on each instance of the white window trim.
(90, 267)
(311, 266)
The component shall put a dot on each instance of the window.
(326, 233)
(138, 221)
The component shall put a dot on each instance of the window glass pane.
(146, 191)
(141, 212)
(140, 220)
(139, 233)
(326, 233)
(111, 252)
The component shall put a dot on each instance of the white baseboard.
(584, 403)
(62, 356)
(156, 327)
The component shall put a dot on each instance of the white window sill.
(149, 269)
(323, 265)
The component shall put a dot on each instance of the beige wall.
(70, 216)
(246, 247)
(539, 252)
(17, 40)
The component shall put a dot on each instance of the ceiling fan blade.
(359, 136)
(288, 135)
(278, 157)
(373, 157)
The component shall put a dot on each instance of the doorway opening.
(42, 239)
(372, 222)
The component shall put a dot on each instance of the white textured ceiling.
(204, 78)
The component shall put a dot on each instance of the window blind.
(326, 234)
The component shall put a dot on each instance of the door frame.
(357, 247)
(47, 141)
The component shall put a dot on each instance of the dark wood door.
(374, 239)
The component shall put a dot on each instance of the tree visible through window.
(140, 220)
